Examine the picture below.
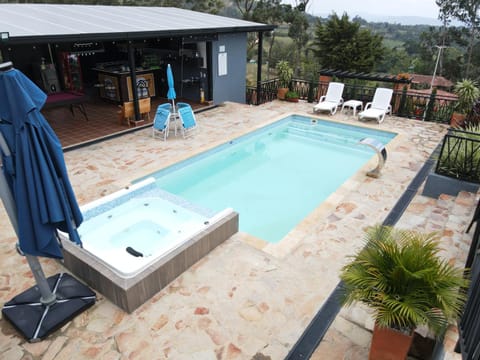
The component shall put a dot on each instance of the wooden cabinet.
(116, 85)
(109, 88)
(145, 86)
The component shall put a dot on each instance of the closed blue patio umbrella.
(39, 200)
(171, 94)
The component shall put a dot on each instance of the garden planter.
(457, 120)
(437, 184)
(389, 344)
(281, 93)
(292, 99)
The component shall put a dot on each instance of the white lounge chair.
(187, 117)
(332, 99)
(379, 107)
(161, 122)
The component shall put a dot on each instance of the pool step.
(337, 134)
(317, 135)
(449, 216)
(350, 132)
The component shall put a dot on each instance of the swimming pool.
(275, 176)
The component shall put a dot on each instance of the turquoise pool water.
(275, 176)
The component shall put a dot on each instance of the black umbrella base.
(34, 320)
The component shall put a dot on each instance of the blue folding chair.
(187, 117)
(161, 122)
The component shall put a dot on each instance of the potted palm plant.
(400, 276)
(285, 75)
(468, 93)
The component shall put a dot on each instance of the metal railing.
(268, 92)
(469, 325)
(404, 104)
(460, 156)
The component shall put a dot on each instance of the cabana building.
(109, 51)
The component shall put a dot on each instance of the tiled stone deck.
(244, 298)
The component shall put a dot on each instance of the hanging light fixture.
(87, 48)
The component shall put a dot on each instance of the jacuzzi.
(136, 241)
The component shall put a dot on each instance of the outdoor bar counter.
(115, 85)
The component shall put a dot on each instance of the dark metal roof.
(439, 81)
(41, 23)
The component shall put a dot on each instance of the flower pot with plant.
(468, 93)
(399, 275)
(285, 75)
(292, 96)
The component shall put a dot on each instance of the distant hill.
(404, 20)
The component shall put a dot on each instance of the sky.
(418, 8)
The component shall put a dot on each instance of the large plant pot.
(457, 120)
(389, 344)
(281, 93)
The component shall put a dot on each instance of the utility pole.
(440, 48)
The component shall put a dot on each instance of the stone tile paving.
(245, 299)
(449, 217)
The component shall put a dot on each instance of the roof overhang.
(48, 23)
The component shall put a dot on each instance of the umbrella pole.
(47, 297)
(175, 116)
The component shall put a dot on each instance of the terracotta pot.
(389, 344)
(457, 119)
(281, 93)
(292, 99)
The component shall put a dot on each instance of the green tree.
(343, 45)
(424, 51)
(208, 6)
(395, 60)
(468, 12)
(453, 64)
(271, 12)
(297, 31)
(245, 7)
(301, 5)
